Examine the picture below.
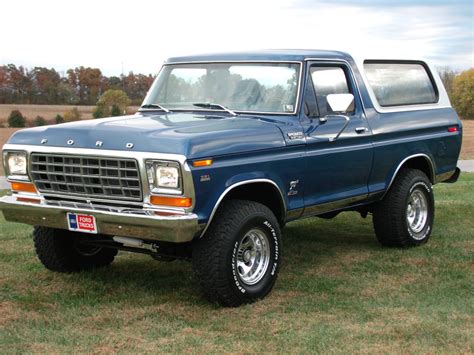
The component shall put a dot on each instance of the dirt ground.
(467, 151)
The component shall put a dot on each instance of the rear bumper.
(135, 223)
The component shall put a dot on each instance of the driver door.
(337, 170)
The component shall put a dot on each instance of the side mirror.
(341, 103)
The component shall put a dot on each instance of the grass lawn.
(338, 291)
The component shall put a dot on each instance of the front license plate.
(81, 223)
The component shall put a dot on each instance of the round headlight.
(16, 163)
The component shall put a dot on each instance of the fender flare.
(235, 185)
(418, 155)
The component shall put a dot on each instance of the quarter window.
(398, 83)
(328, 80)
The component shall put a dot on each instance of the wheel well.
(421, 163)
(261, 192)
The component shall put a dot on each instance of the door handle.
(361, 129)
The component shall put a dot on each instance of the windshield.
(254, 87)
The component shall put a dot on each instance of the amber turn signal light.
(23, 187)
(171, 201)
(200, 163)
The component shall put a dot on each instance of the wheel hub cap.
(417, 211)
(253, 256)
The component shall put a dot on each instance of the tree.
(463, 94)
(45, 83)
(447, 76)
(136, 86)
(88, 83)
(15, 84)
(108, 100)
(72, 115)
(114, 82)
(81, 85)
(16, 119)
(39, 121)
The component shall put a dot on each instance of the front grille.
(86, 176)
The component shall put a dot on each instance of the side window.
(400, 83)
(328, 80)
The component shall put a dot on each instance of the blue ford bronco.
(228, 148)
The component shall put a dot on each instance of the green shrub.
(115, 111)
(39, 121)
(111, 103)
(16, 119)
(59, 119)
(99, 111)
(72, 115)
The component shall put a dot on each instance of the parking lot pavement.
(466, 165)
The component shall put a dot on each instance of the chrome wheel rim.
(253, 257)
(417, 211)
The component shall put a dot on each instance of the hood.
(189, 134)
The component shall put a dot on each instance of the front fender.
(278, 167)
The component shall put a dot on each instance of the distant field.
(46, 111)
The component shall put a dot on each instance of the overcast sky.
(138, 35)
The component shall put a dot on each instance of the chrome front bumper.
(138, 223)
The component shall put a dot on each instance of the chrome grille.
(86, 176)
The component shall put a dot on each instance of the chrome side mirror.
(341, 103)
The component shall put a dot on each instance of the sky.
(121, 36)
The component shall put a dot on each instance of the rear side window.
(400, 83)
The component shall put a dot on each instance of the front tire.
(238, 259)
(405, 216)
(61, 250)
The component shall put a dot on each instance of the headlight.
(167, 177)
(164, 176)
(16, 163)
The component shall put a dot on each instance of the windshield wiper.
(213, 106)
(155, 106)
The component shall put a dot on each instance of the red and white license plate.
(81, 223)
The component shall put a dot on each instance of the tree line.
(85, 86)
(79, 86)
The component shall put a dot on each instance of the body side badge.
(295, 135)
(205, 178)
(293, 190)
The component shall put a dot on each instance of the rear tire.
(238, 259)
(405, 216)
(61, 250)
